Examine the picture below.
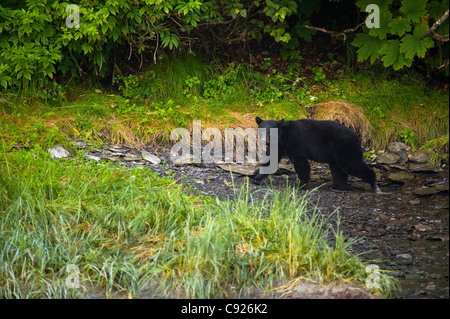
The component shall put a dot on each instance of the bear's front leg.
(259, 178)
(303, 170)
(270, 165)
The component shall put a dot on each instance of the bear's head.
(267, 125)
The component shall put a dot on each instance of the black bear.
(324, 142)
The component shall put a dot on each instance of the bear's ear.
(258, 120)
(280, 123)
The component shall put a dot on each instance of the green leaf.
(400, 26)
(87, 48)
(383, 30)
(414, 9)
(27, 75)
(412, 45)
(393, 57)
(369, 46)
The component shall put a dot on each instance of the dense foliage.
(401, 33)
(40, 39)
(36, 42)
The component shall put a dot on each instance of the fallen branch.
(334, 33)
(431, 31)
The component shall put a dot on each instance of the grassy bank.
(145, 108)
(132, 234)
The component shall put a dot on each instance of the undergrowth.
(146, 107)
(132, 234)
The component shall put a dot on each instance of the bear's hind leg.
(340, 178)
(368, 176)
(363, 172)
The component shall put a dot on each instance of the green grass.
(127, 230)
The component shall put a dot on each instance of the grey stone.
(117, 149)
(421, 156)
(422, 228)
(430, 190)
(401, 177)
(117, 154)
(186, 159)
(131, 157)
(397, 147)
(59, 152)
(283, 167)
(388, 158)
(404, 256)
(239, 169)
(425, 167)
(150, 157)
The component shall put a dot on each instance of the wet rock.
(422, 228)
(59, 152)
(430, 190)
(401, 177)
(186, 159)
(117, 149)
(426, 167)
(131, 158)
(239, 169)
(117, 154)
(442, 204)
(421, 156)
(401, 149)
(388, 158)
(150, 157)
(404, 259)
(283, 167)
(362, 186)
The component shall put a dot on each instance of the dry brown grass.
(241, 120)
(349, 114)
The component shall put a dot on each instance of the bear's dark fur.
(324, 142)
